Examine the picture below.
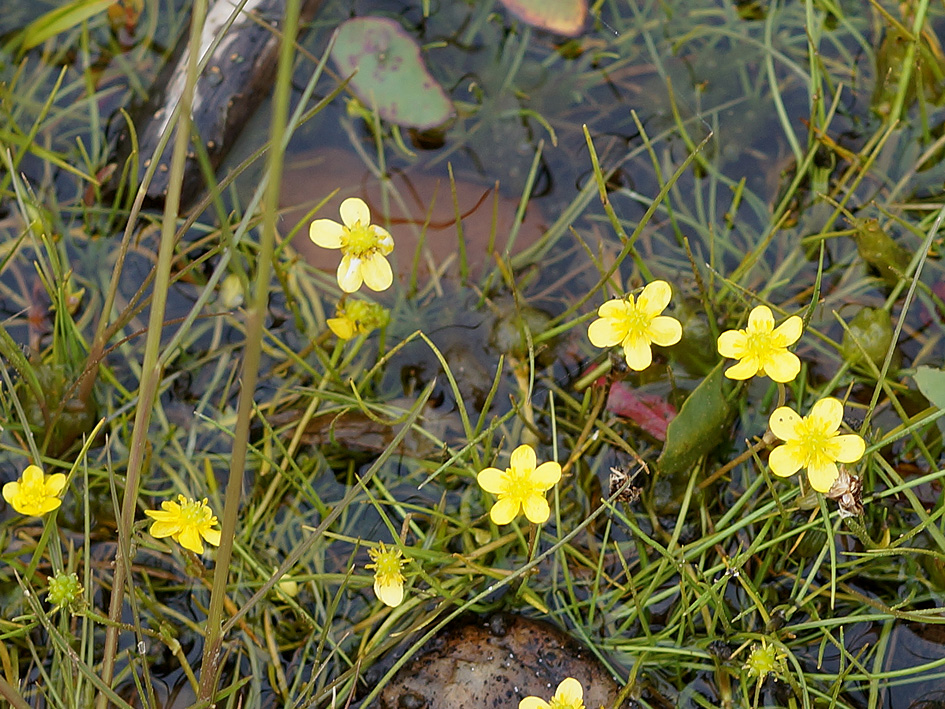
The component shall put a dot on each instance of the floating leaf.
(391, 75)
(931, 382)
(561, 16)
(702, 423)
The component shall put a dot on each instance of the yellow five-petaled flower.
(812, 442)
(363, 247)
(569, 695)
(187, 522)
(636, 324)
(521, 486)
(35, 493)
(388, 581)
(761, 348)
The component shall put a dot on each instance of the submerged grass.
(721, 585)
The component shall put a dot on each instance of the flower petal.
(523, 458)
(189, 538)
(788, 332)
(606, 332)
(654, 298)
(533, 703)
(377, 272)
(760, 319)
(48, 504)
(847, 448)
(349, 273)
(664, 331)
(354, 210)
(745, 369)
(212, 536)
(732, 344)
(826, 415)
(492, 480)
(782, 366)
(783, 423)
(32, 476)
(326, 233)
(570, 692)
(546, 475)
(786, 459)
(536, 509)
(11, 491)
(391, 594)
(343, 328)
(163, 528)
(615, 308)
(822, 477)
(55, 483)
(385, 242)
(638, 353)
(504, 510)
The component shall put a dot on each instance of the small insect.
(620, 488)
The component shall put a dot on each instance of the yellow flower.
(569, 695)
(388, 581)
(635, 324)
(185, 521)
(35, 493)
(812, 442)
(357, 317)
(520, 486)
(363, 247)
(761, 347)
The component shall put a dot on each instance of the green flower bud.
(64, 590)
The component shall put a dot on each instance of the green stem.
(151, 368)
(255, 322)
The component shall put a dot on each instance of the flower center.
(814, 442)
(359, 239)
(193, 513)
(561, 703)
(518, 484)
(758, 344)
(635, 321)
(33, 494)
(387, 567)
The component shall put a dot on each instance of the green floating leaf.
(931, 382)
(701, 424)
(560, 16)
(391, 75)
(61, 19)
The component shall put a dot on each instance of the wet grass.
(791, 157)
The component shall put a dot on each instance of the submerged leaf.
(561, 16)
(880, 251)
(389, 73)
(650, 412)
(870, 334)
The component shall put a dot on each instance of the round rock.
(493, 664)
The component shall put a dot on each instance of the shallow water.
(714, 65)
